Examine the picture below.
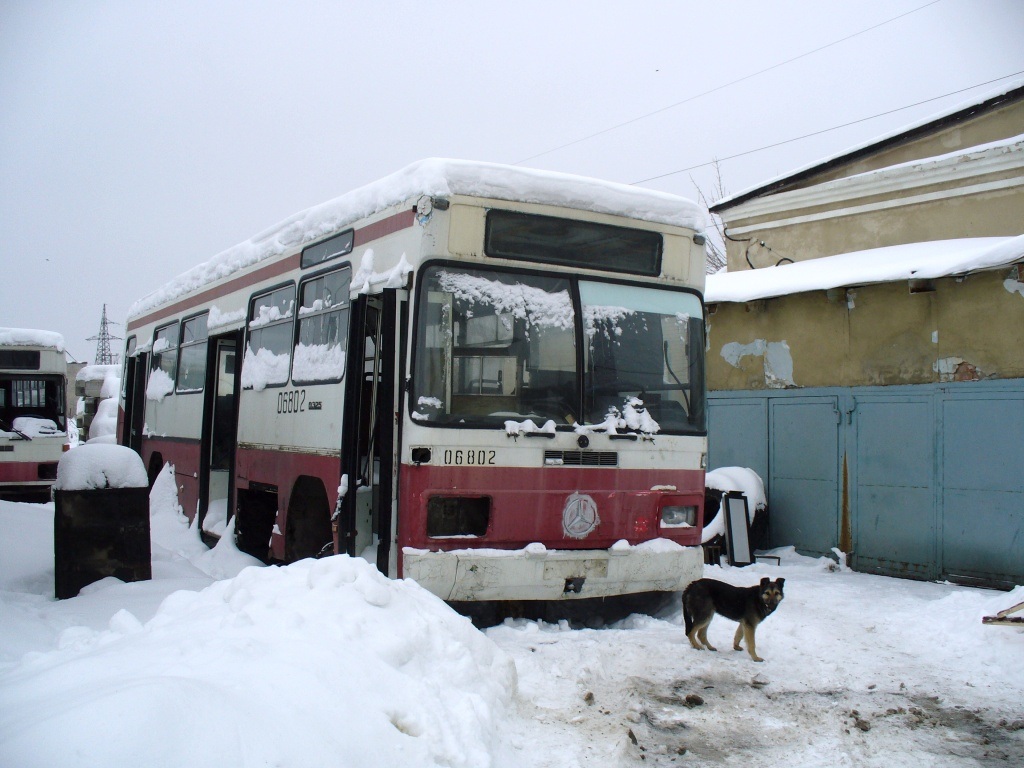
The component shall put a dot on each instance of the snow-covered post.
(101, 518)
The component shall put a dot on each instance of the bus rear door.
(220, 428)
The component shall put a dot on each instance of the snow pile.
(439, 178)
(100, 466)
(104, 423)
(321, 662)
(27, 337)
(374, 673)
(726, 479)
(171, 531)
(913, 261)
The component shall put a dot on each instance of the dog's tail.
(687, 613)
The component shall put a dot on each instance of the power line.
(725, 85)
(825, 130)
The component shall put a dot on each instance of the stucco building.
(866, 347)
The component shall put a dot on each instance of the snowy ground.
(326, 663)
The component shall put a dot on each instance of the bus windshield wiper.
(10, 428)
(668, 367)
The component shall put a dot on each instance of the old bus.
(484, 378)
(33, 401)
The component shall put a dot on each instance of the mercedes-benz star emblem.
(579, 518)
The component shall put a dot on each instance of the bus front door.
(369, 447)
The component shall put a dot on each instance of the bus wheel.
(308, 529)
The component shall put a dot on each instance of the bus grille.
(582, 458)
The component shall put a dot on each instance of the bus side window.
(165, 362)
(192, 366)
(268, 351)
(323, 328)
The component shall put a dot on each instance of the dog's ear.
(780, 582)
(765, 582)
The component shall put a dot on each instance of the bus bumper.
(537, 573)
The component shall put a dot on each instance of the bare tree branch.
(715, 243)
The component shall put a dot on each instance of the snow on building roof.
(27, 337)
(962, 166)
(437, 178)
(994, 96)
(913, 261)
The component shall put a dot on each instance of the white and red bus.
(33, 419)
(484, 378)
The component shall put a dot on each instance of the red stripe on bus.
(387, 226)
(23, 471)
(367, 234)
(528, 504)
(244, 281)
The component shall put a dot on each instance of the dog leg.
(692, 637)
(698, 635)
(736, 640)
(703, 635)
(748, 634)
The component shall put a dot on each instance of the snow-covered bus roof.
(27, 337)
(912, 261)
(437, 178)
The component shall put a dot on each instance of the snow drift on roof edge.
(438, 178)
(931, 118)
(27, 337)
(922, 261)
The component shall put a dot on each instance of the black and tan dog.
(747, 605)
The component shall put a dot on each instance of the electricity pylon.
(103, 354)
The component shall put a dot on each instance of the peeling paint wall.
(1013, 283)
(776, 360)
(967, 329)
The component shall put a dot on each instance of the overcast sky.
(138, 139)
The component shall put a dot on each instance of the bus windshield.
(33, 405)
(643, 356)
(495, 346)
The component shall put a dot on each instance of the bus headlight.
(678, 517)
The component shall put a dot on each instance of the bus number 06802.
(469, 457)
(291, 401)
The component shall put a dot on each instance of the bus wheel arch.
(308, 525)
(156, 466)
(255, 517)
